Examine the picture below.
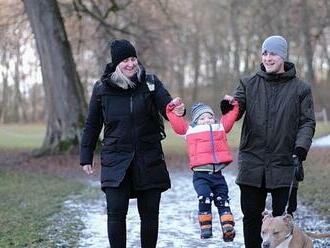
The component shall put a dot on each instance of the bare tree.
(308, 49)
(65, 100)
(5, 89)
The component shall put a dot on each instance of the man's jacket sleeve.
(240, 96)
(306, 127)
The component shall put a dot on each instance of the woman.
(132, 160)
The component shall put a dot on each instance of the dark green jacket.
(279, 117)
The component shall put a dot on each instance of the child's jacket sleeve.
(179, 124)
(229, 119)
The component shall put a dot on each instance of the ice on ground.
(178, 225)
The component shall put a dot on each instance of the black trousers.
(117, 207)
(253, 201)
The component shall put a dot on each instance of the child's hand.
(178, 106)
(226, 104)
(175, 102)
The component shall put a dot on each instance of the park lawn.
(29, 207)
(30, 136)
(21, 136)
(322, 129)
(314, 190)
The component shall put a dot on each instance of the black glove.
(299, 169)
(225, 106)
(301, 153)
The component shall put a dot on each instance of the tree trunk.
(65, 102)
(19, 113)
(196, 67)
(307, 42)
(235, 13)
(5, 89)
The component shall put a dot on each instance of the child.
(208, 154)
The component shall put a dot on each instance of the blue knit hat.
(120, 50)
(198, 109)
(276, 44)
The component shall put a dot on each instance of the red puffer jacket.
(205, 143)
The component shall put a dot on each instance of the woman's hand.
(179, 108)
(88, 169)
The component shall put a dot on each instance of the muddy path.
(178, 225)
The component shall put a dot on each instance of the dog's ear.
(266, 214)
(288, 220)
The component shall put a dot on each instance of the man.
(278, 127)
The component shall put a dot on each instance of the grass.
(322, 129)
(31, 202)
(28, 203)
(30, 136)
(314, 190)
(21, 136)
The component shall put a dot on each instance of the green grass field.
(29, 202)
(30, 136)
(21, 136)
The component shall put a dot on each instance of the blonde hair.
(122, 81)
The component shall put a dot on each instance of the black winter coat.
(131, 133)
(279, 117)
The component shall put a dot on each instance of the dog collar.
(289, 234)
(285, 243)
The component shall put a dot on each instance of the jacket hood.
(289, 73)
(110, 68)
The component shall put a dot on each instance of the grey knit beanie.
(276, 44)
(198, 109)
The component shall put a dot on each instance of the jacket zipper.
(132, 120)
(215, 159)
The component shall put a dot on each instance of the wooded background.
(53, 51)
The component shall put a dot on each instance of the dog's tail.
(318, 235)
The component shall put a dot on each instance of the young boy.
(208, 154)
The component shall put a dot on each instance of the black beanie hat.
(120, 50)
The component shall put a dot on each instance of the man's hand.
(226, 104)
(299, 169)
(88, 169)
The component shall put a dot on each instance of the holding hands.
(226, 104)
(177, 106)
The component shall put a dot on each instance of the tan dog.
(280, 232)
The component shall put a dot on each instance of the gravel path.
(178, 224)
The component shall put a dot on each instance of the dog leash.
(290, 191)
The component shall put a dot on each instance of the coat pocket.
(108, 151)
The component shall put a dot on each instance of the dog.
(280, 232)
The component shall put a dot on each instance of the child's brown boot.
(205, 221)
(227, 225)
